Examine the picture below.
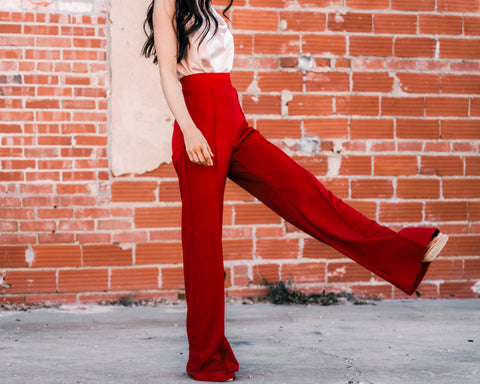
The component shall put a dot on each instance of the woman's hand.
(197, 147)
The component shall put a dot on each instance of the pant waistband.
(206, 80)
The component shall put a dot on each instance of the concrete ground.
(408, 342)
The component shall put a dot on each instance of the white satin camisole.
(215, 54)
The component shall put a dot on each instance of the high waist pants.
(242, 154)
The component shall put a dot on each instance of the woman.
(212, 141)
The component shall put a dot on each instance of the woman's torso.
(214, 54)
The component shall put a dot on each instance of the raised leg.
(295, 194)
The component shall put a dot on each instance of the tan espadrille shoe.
(435, 247)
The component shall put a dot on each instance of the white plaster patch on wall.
(141, 123)
(476, 287)
(305, 62)
(334, 164)
(39, 5)
(75, 6)
(11, 4)
(286, 97)
(29, 256)
(253, 87)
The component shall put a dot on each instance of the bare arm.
(196, 145)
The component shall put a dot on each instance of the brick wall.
(380, 99)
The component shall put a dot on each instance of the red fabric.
(246, 157)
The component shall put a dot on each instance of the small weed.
(284, 293)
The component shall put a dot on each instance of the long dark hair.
(188, 18)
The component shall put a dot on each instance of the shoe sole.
(434, 250)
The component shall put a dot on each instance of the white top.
(215, 54)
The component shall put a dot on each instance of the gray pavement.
(408, 342)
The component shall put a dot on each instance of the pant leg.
(202, 187)
(298, 196)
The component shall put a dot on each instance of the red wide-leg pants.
(242, 154)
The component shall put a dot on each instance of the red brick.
(472, 268)
(133, 191)
(461, 188)
(371, 188)
(106, 255)
(249, 214)
(158, 253)
(463, 49)
(441, 165)
(247, 292)
(368, 4)
(471, 26)
(238, 249)
(279, 128)
(13, 257)
(458, 290)
(82, 280)
(55, 256)
(395, 23)
(29, 282)
(381, 46)
(372, 82)
(446, 211)
(267, 44)
(371, 129)
(155, 217)
(474, 211)
(419, 82)
(350, 22)
(413, 5)
(440, 24)
(324, 44)
(326, 127)
(38, 226)
(304, 272)
(392, 165)
(462, 245)
(356, 165)
(314, 105)
(357, 105)
(57, 237)
(461, 84)
(472, 166)
(446, 106)
(172, 278)
(414, 47)
(134, 278)
(314, 249)
(265, 273)
(327, 82)
(277, 248)
(303, 21)
(445, 269)
(417, 129)
(418, 188)
(458, 6)
(402, 106)
(278, 81)
(263, 104)
(347, 271)
(400, 212)
(92, 238)
(250, 19)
